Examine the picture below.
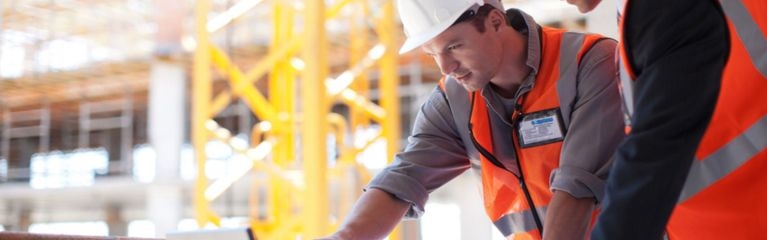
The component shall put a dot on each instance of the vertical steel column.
(2, 31)
(116, 223)
(24, 219)
(45, 128)
(201, 87)
(314, 124)
(360, 45)
(126, 134)
(84, 122)
(282, 85)
(389, 85)
(244, 122)
(389, 82)
(6, 145)
(282, 95)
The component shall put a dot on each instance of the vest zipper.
(490, 157)
(522, 182)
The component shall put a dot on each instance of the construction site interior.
(141, 118)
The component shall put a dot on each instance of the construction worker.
(535, 111)
(677, 171)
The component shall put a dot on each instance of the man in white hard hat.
(534, 111)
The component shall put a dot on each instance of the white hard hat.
(425, 19)
(496, 3)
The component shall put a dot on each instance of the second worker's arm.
(677, 50)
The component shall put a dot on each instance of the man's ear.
(496, 24)
(496, 20)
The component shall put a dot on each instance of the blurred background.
(143, 117)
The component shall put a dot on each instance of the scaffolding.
(289, 141)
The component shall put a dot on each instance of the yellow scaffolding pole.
(314, 125)
(389, 84)
(359, 42)
(201, 86)
(282, 79)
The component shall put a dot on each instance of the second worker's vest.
(509, 196)
(725, 193)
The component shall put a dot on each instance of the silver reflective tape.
(748, 31)
(568, 72)
(627, 90)
(519, 221)
(725, 160)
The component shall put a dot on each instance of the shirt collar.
(523, 22)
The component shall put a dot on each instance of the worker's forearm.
(374, 216)
(567, 217)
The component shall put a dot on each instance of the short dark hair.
(476, 16)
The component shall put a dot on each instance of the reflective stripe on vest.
(737, 152)
(752, 38)
(518, 221)
(626, 88)
(625, 73)
(748, 32)
(505, 202)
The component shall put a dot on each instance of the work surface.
(31, 236)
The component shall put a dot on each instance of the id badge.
(540, 128)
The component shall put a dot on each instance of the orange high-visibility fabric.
(502, 192)
(733, 206)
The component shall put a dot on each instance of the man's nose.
(447, 64)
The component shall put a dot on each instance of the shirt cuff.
(577, 182)
(404, 188)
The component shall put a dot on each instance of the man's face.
(470, 57)
(584, 6)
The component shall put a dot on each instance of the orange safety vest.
(508, 197)
(726, 188)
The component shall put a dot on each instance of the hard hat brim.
(415, 41)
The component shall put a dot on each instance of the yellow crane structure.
(289, 141)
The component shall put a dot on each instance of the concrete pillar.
(166, 122)
(164, 207)
(603, 20)
(167, 90)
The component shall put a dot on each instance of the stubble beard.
(473, 85)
